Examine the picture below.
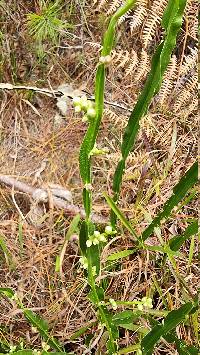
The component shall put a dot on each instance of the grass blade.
(120, 215)
(172, 20)
(179, 191)
(176, 242)
(120, 254)
(72, 228)
(171, 321)
(7, 254)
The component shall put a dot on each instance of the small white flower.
(96, 241)
(84, 103)
(94, 271)
(102, 238)
(85, 119)
(105, 60)
(113, 303)
(36, 352)
(108, 230)
(91, 113)
(45, 346)
(97, 234)
(83, 261)
(140, 306)
(88, 187)
(77, 101)
(89, 243)
(139, 352)
(12, 348)
(77, 109)
(147, 302)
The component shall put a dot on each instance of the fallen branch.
(59, 196)
(59, 93)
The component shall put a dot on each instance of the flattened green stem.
(91, 135)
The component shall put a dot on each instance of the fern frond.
(138, 16)
(168, 81)
(190, 61)
(186, 93)
(191, 13)
(143, 66)
(124, 59)
(113, 7)
(191, 8)
(124, 17)
(133, 63)
(120, 58)
(102, 3)
(153, 20)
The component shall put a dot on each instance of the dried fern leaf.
(124, 17)
(187, 92)
(138, 16)
(190, 61)
(153, 21)
(168, 81)
(102, 3)
(113, 7)
(124, 59)
(143, 66)
(132, 64)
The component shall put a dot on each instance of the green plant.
(90, 240)
(46, 24)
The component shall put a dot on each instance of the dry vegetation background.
(39, 146)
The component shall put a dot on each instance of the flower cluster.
(146, 302)
(98, 237)
(82, 104)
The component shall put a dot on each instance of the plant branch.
(41, 195)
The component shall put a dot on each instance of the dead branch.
(58, 93)
(41, 195)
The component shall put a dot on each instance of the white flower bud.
(96, 241)
(96, 233)
(105, 60)
(102, 238)
(91, 113)
(108, 230)
(78, 109)
(140, 307)
(77, 101)
(88, 243)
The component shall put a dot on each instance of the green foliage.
(91, 135)
(180, 190)
(6, 252)
(72, 229)
(93, 254)
(120, 215)
(46, 24)
(172, 20)
(171, 321)
(35, 320)
(121, 254)
(176, 242)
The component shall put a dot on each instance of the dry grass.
(30, 134)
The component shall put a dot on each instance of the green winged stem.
(171, 22)
(91, 135)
